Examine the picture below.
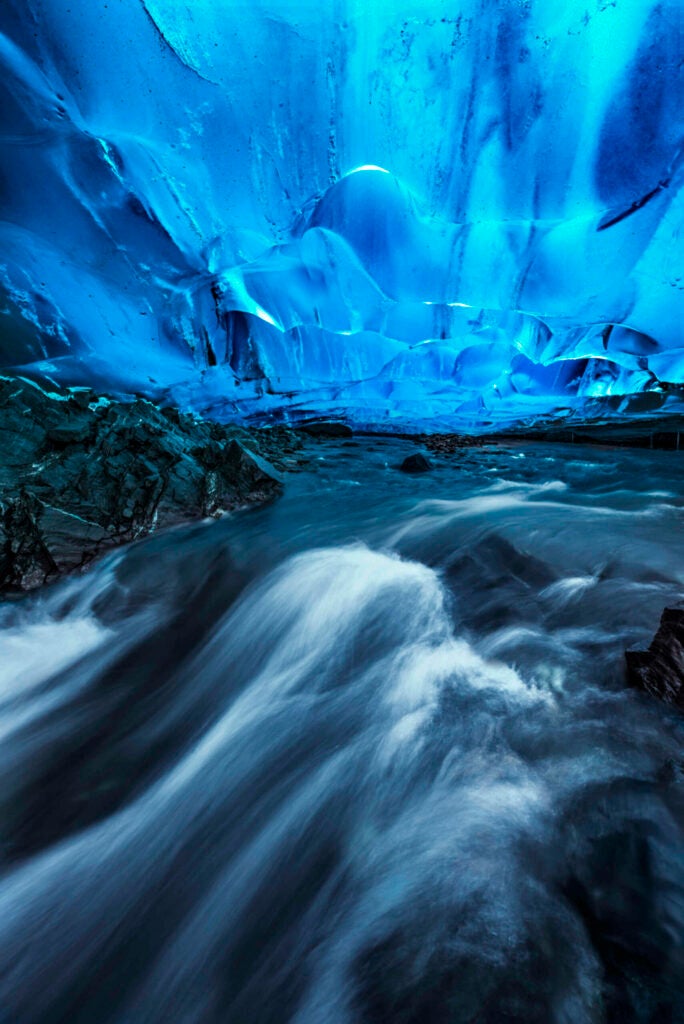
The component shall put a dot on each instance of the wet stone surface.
(79, 474)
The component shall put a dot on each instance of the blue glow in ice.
(406, 213)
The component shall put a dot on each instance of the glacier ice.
(406, 213)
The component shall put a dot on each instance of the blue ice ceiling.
(409, 212)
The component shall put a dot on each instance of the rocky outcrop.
(80, 473)
(416, 463)
(660, 670)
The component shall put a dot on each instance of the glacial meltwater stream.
(363, 755)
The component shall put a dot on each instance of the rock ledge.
(81, 473)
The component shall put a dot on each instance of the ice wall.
(408, 212)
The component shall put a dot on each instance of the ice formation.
(408, 212)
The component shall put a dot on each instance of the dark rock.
(447, 444)
(82, 397)
(250, 474)
(416, 463)
(74, 432)
(327, 429)
(77, 476)
(25, 560)
(660, 670)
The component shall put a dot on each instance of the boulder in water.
(416, 463)
(660, 670)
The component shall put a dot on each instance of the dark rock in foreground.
(660, 669)
(416, 463)
(80, 474)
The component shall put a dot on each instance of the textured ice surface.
(407, 212)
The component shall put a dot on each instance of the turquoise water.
(363, 755)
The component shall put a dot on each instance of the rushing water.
(364, 755)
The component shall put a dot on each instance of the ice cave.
(420, 212)
(341, 512)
